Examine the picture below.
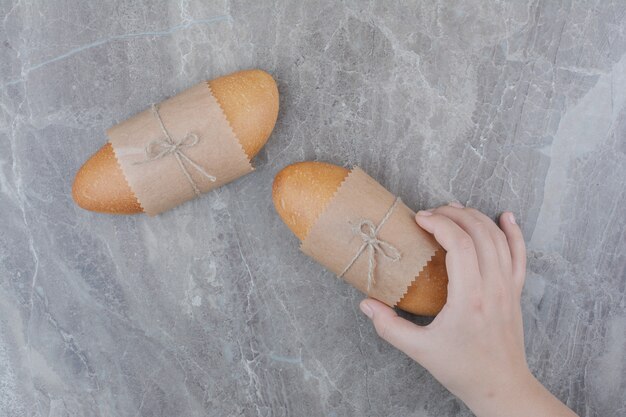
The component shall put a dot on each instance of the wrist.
(506, 392)
(519, 395)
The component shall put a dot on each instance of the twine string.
(368, 232)
(160, 148)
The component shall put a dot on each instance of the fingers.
(461, 261)
(498, 237)
(399, 332)
(517, 248)
(478, 227)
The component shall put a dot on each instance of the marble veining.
(210, 309)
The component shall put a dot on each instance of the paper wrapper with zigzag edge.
(333, 242)
(160, 184)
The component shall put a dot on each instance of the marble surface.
(210, 310)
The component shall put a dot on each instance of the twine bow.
(368, 232)
(160, 148)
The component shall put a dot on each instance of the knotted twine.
(368, 232)
(160, 148)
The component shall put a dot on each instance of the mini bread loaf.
(303, 190)
(249, 100)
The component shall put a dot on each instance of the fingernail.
(455, 204)
(512, 218)
(424, 213)
(366, 309)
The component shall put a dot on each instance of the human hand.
(475, 345)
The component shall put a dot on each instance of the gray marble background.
(210, 310)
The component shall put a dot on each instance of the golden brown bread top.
(100, 185)
(249, 100)
(303, 190)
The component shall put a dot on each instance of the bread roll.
(249, 100)
(302, 191)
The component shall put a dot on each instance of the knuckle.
(501, 237)
(479, 225)
(465, 243)
(476, 304)
(477, 214)
(442, 212)
(383, 329)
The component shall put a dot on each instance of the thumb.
(401, 333)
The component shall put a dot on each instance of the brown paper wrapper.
(333, 242)
(161, 184)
